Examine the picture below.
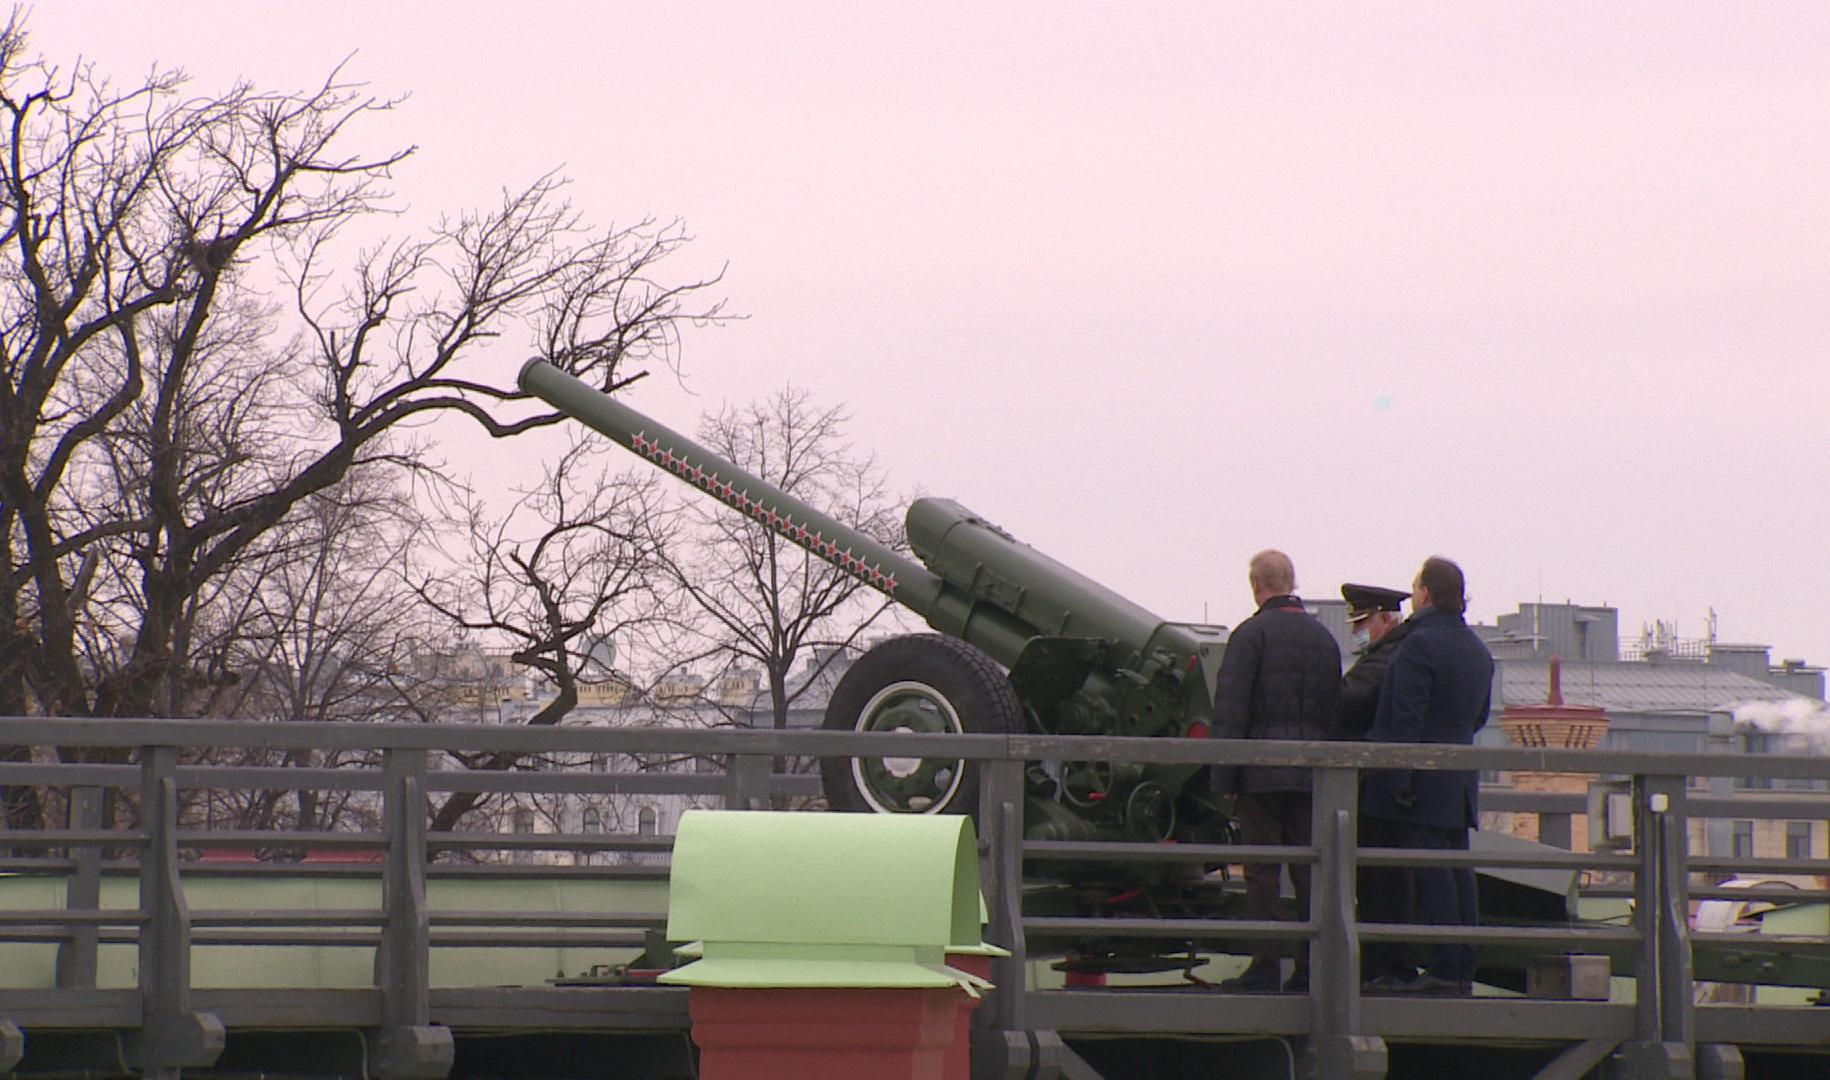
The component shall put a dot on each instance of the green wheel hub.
(908, 785)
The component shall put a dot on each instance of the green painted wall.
(26, 966)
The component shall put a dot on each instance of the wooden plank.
(1496, 1019)
(1242, 929)
(1764, 1025)
(71, 1008)
(573, 1008)
(295, 1008)
(1166, 1012)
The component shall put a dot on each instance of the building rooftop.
(1636, 687)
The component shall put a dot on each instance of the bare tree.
(325, 629)
(161, 416)
(573, 566)
(763, 602)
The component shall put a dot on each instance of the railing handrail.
(405, 927)
(253, 735)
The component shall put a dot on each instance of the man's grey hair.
(1272, 570)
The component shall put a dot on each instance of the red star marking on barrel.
(698, 475)
(639, 442)
(889, 583)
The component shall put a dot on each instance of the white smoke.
(1801, 718)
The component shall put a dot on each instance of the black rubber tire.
(935, 673)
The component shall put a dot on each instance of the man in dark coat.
(1280, 678)
(1374, 616)
(1438, 689)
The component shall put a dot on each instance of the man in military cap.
(1374, 614)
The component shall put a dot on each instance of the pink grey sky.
(1545, 288)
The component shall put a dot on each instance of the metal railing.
(165, 1023)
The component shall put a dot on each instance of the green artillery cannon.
(1025, 644)
(1081, 660)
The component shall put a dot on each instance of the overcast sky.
(1544, 288)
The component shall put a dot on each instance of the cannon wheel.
(922, 682)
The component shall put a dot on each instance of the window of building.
(645, 821)
(592, 820)
(1744, 840)
(600, 762)
(1755, 742)
(1798, 839)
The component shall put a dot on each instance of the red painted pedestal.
(828, 1034)
(959, 1055)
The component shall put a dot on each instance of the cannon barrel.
(847, 548)
(979, 584)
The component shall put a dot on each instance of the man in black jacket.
(1374, 616)
(1280, 678)
(1438, 689)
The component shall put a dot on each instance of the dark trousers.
(1280, 818)
(1428, 895)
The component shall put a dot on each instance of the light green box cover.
(781, 899)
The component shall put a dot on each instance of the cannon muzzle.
(793, 520)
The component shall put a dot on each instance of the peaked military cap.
(1363, 600)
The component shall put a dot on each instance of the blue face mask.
(1362, 640)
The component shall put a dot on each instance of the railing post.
(1665, 1038)
(171, 1036)
(76, 958)
(1001, 1044)
(1336, 1047)
(409, 1046)
(747, 781)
